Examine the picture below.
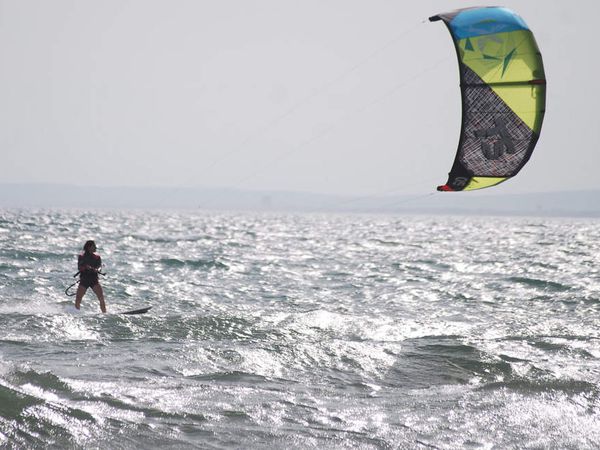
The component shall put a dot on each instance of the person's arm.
(80, 264)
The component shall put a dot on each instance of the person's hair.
(88, 245)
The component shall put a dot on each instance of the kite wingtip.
(445, 188)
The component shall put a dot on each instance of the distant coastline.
(562, 204)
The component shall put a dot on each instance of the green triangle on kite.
(469, 45)
(490, 57)
(507, 60)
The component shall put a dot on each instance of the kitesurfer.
(89, 264)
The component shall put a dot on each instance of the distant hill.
(573, 203)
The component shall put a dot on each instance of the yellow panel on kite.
(482, 182)
(507, 62)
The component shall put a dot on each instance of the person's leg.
(80, 293)
(100, 294)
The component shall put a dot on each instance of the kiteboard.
(138, 311)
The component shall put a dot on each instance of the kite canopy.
(503, 88)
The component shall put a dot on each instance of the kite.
(503, 91)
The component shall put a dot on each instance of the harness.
(69, 294)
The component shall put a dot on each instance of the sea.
(300, 331)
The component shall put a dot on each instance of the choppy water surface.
(301, 331)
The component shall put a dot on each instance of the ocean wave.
(444, 360)
(170, 239)
(32, 255)
(194, 264)
(534, 386)
(39, 410)
(552, 286)
(33, 416)
(44, 380)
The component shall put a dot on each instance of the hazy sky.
(333, 96)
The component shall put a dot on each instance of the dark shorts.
(88, 280)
